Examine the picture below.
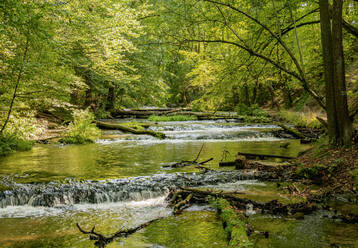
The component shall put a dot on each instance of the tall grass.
(300, 119)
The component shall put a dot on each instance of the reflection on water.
(312, 231)
(128, 156)
(192, 229)
(123, 159)
(132, 155)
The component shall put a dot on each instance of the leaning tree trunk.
(340, 130)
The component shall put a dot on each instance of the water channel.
(120, 181)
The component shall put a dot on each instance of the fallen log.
(179, 207)
(262, 156)
(236, 199)
(227, 164)
(297, 134)
(234, 224)
(115, 126)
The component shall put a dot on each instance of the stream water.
(121, 182)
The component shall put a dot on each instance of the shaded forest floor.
(334, 170)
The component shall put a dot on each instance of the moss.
(311, 172)
(235, 224)
(134, 124)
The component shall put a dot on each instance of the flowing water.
(121, 181)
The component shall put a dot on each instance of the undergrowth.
(300, 119)
(9, 143)
(253, 110)
(81, 130)
(20, 129)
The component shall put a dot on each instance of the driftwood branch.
(202, 196)
(185, 163)
(101, 241)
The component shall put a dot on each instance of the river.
(121, 181)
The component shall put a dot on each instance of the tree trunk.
(235, 96)
(111, 98)
(18, 80)
(246, 95)
(345, 127)
(340, 129)
(254, 92)
(88, 99)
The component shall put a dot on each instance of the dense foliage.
(207, 54)
(82, 129)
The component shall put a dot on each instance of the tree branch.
(283, 44)
(16, 85)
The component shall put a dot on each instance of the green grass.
(300, 119)
(156, 118)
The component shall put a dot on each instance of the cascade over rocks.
(136, 188)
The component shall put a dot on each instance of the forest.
(179, 123)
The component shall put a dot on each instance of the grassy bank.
(300, 119)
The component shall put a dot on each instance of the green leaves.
(82, 129)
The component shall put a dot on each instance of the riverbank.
(334, 170)
(130, 170)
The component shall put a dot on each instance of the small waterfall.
(116, 190)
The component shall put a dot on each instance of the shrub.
(10, 143)
(22, 125)
(20, 128)
(314, 173)
(82, 129)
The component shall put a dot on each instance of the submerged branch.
(102, 241)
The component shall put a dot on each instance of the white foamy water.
(158, 205)
(196, 132)
(237, 186)
(153, 141)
